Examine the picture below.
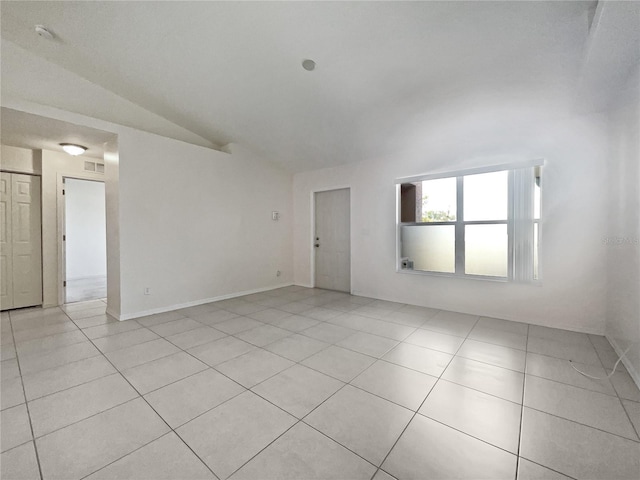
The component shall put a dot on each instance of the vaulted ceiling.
(212, 73)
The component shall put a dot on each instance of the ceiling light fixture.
(73, 149)
(308, 65)
(43, 32)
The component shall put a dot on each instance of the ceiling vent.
(94, 167)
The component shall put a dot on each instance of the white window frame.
(520, 222)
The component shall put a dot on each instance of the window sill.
(536, 283)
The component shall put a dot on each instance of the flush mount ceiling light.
(43, 32)
(308, 65)
(73, 149)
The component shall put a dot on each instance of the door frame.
(312, 235)
(62, 226)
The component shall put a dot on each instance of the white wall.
(573, 264)
(112, 206)
(23, 160)
(190, 223)
(622, 240)
(196, 224)
(52, 166)
(85, 229)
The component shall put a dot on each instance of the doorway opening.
(332, 240)
(85, 240)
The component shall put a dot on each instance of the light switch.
(275, 216)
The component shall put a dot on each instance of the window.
(481, 223)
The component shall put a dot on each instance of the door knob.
(317, 245)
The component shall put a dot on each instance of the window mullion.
(459, 226)
(510, 228)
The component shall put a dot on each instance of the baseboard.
(113, 314)
(625, 361)
(170, 308)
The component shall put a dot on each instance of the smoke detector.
(43, 32)
(308, 65)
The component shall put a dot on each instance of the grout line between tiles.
(64, 364)
(572, 385)
(328, 321)
(264, 448)
(470, 435)
(547, 468)
(280, 408)
(207, 367)
(487, 363)
(26, 403)
(424, 400)
(524, 383)
(480, 391)
(140, 448)
(73, 386)
(629, 417)
(46, 350)
(302, 420)
(126, 322)
(154, 410)
(86, 418)
(245, 389)
(583, 424)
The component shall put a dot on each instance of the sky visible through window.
(439, 196)
(485, 198)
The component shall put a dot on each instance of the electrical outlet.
(278, 273)
(147, 291)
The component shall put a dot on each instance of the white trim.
(453, 275)
(61, 223)
(312, 234)
(112, 314)
(170, 308)
(635, 375)
(20, 172)
(398, 231)
(472, 171)
(459, 248)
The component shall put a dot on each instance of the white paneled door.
(6, 283)
(332, 240)
(20, 241)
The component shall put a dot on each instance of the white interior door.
(332, 240)
(27, 241)
(6, 257)
(21, 241)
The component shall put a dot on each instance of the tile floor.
(300, 383)
(83, 289)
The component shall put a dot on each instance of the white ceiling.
(212, 73)
(20, 129)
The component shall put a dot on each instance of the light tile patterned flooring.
(84, 289)
(303, 383)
